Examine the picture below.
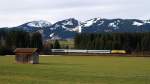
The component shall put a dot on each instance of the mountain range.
(67, 29)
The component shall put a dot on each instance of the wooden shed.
(27, 55)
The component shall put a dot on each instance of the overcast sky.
(16, 12)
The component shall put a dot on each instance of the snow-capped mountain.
(68, 28)
(35, 25)
(64, 29)
(38, 24)
(115, 25)
(67, 25)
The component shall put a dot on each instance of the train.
(65, 51)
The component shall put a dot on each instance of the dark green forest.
(133, 42)
(11, 39)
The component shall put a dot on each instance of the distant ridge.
(68, 28)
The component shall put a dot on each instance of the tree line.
(134, 42)
(11, 39)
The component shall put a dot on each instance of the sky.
(17, 12)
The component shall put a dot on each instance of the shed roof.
(25, 50)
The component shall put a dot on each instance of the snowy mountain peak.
(68, 21)
(70, 24)
(40, 23)
(90, 22)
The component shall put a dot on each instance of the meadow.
(76, 70)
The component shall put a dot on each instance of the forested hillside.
(15, 38)
(136, 42)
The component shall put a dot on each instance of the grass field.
(64, 43)
(77, 70)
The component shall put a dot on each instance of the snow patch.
(57, 25)
(53, 28)
(146, 21)
(51, 35)
(73, 28)
(112, 24)
(77, 29)
(80, 29)
(91, 22)
(68, 23)
(137, 23)
(40, 23)
(98, 18)
(101, 22)
(88, 23)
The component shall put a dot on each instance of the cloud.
(16, 12)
